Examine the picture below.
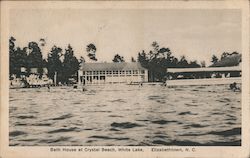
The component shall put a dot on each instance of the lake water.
(124, 115)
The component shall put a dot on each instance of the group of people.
(232, 86)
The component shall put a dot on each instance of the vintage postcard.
(124, 79)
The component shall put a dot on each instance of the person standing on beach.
(48, 88)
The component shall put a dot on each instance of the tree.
(203, 64)
(155, 46)
(224, 55)
(18, 60)
(156, 61)
(81, 60)
(70, 64)
(91, 50)
(133, 59)
(42, 42)
(235, 53)
(142, 59)
(54, 63)
(183, 62)
(21, 59)
(194, 64)
(118, 59)
(214, 59)
(12, 50)
(35, 59)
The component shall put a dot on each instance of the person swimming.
(140, 84)
(234, 87)
(84, 89)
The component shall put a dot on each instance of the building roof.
(111, 66)
(204, 69)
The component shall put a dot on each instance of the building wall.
(102, 77)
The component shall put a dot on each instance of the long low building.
(206, 72)
(100, 73)
(203, 76)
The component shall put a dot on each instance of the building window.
(135, 71)
(89, 72)
(142, 72)
(128, 72)
(115, 72)
(102, 77)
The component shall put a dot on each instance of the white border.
(38, 152)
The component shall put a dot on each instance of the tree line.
(223, 56)
(159, 59)
(65, 64)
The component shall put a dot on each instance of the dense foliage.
(91, 50)
(65, 65)
(118, 59)
(159, 59)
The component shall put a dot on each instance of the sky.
(197, 34)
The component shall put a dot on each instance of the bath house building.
(100, 73)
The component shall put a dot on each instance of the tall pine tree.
(70, 64)
(54, 63)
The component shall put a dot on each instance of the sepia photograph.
(111, 77)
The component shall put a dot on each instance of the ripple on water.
(115, 116)
(143, 120)
(88, 129)
(176, 142)
(223, 100)
(41, 124)
(16, 133)
(118, 100)
(55, 140)
(191, 104)
(192, 134)
(155, 97)
(114, 129)
(196, 125)
(106, 137)
(26, 117)
(227, 133)
(127, 128)
(163, 122)
(63, 117)
(74, 129)
(187, 113)
(12, 109)
(125, 125)
(225, 143)
(21, 124)
(77, 103)
(28, 140)
(161, 136)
